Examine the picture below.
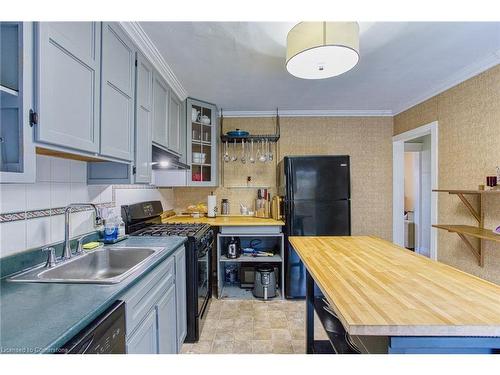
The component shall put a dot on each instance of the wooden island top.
(378, 288)
(225, 221)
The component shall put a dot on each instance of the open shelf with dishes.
(478, 232)
(202, 143)
(236, 275)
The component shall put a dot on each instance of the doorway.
(415, 175)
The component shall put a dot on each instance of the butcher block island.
(389, 299)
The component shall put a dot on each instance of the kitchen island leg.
(309, 313)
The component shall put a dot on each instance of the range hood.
(163, 159)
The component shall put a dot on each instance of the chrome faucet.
(67, 247)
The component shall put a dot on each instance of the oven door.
(204, 257)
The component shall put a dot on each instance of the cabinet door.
(143, 120)
(167, 328)
(145, 338)
(202, 143)
(117, 93)
(67, 94)
(17, 151)
(160, 110)
(174, 124)
(180, 295)
(183, 131)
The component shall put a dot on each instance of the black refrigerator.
(316, 192)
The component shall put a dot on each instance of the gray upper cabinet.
(143, 120)
(202, 140)
(183, 152)
(67, 96)
(174, 124)
(17, 151)
(161, 98)
(117, 93)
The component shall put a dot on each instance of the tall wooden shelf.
(479, 231)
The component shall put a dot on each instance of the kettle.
(234, 248)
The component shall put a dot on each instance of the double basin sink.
(108, 265)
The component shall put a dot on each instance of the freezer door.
(317, 177)
(313, 218)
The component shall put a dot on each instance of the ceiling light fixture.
(316, 50)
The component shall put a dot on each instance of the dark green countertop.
(41, 317)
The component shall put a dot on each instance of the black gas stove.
(143, 219)
(171, 229)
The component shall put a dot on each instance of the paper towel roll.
(212, 206)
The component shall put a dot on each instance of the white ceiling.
(240, 66)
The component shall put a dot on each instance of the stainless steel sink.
(104, 266)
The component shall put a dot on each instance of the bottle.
(121, 227)
(225, 207)
(109, 230)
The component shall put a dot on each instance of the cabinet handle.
(33, 118)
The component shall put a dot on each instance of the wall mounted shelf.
(272, 138)
(465, 231)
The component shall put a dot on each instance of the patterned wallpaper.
(368, 140)
(469, 149)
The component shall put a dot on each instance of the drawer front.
(142, 297)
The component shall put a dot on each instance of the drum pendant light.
(316, 50)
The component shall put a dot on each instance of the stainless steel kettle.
(234, 248)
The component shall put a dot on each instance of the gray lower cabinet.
(143, 120)
(145, 338)
(68, 94)
(181, 295)
(151, 308)
(161, 99)
(117, 93)
(167, 328)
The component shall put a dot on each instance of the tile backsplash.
(35, 209)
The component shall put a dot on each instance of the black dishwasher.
(105, 335)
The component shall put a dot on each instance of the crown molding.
(457, 78)
(148, 48)
(310, 113)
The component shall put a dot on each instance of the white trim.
(310, 113)
(148, 48)
(413, 147)
(455, 79)
(398, 148)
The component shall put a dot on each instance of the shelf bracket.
(471, 209)
(476, 251)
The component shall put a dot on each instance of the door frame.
(398, 193)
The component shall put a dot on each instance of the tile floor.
(252, 326)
